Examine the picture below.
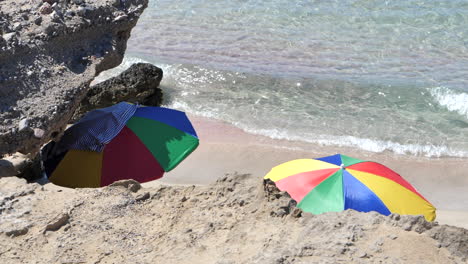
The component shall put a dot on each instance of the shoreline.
(228, 149)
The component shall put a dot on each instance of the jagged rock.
(138, 84)
(84, 46)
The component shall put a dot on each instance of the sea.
(381, 76)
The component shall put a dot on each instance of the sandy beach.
(350, 73)
(227, 149)
(215, 208)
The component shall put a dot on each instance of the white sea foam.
(126, 63)
(366, 144)
(192, 89)
(360, 61)
(453, 101)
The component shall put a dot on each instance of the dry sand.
(227, 149)
(229, 219)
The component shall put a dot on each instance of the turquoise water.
(376, 75)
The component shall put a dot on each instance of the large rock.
(50, 51)
(138, 84)
(230, 221)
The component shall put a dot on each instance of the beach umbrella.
(339, 182)
(124, 141)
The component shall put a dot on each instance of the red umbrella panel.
(339, 182)
(104, 148)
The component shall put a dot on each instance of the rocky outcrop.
(50, 51)
(137, 84)
(235, 220)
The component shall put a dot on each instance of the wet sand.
(225, 149)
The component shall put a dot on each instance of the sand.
(226, 149)
(214, 208)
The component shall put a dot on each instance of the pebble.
(38, 20)
(116, 3)
(362, 255)
(23, 124)
(8, 36)
(69, 13)
(143, 196)
(17, 26)
(81, 11)
(17, 231)
(55, 17)
(38, 133)
(45, 9)
(296, 213)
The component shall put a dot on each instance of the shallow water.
(377, 75)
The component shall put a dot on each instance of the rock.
(38, 133)
(131, 185)
(296, 213)
(23, 124)
(45, 9)
(17, 26)
(17, 231)
(138, 84)
(56, 223)
(55, 17)
(362, 254)
(142, 197)
(38, 20)
(19, 164)
(9, 36)
(95, 225)
(53, 28)
(29, 85)
(69, 13)
(81, 11)
(7, 169)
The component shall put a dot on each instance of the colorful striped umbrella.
(123, 141)
(339, 182)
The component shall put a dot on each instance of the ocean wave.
(371, 145)
(126, 63)
(208, 93)
(453, 101)
(366, 144)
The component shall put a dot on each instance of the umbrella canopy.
(339, 182)
(123, 141)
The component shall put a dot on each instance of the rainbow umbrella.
(123, 141)
(339, 182)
